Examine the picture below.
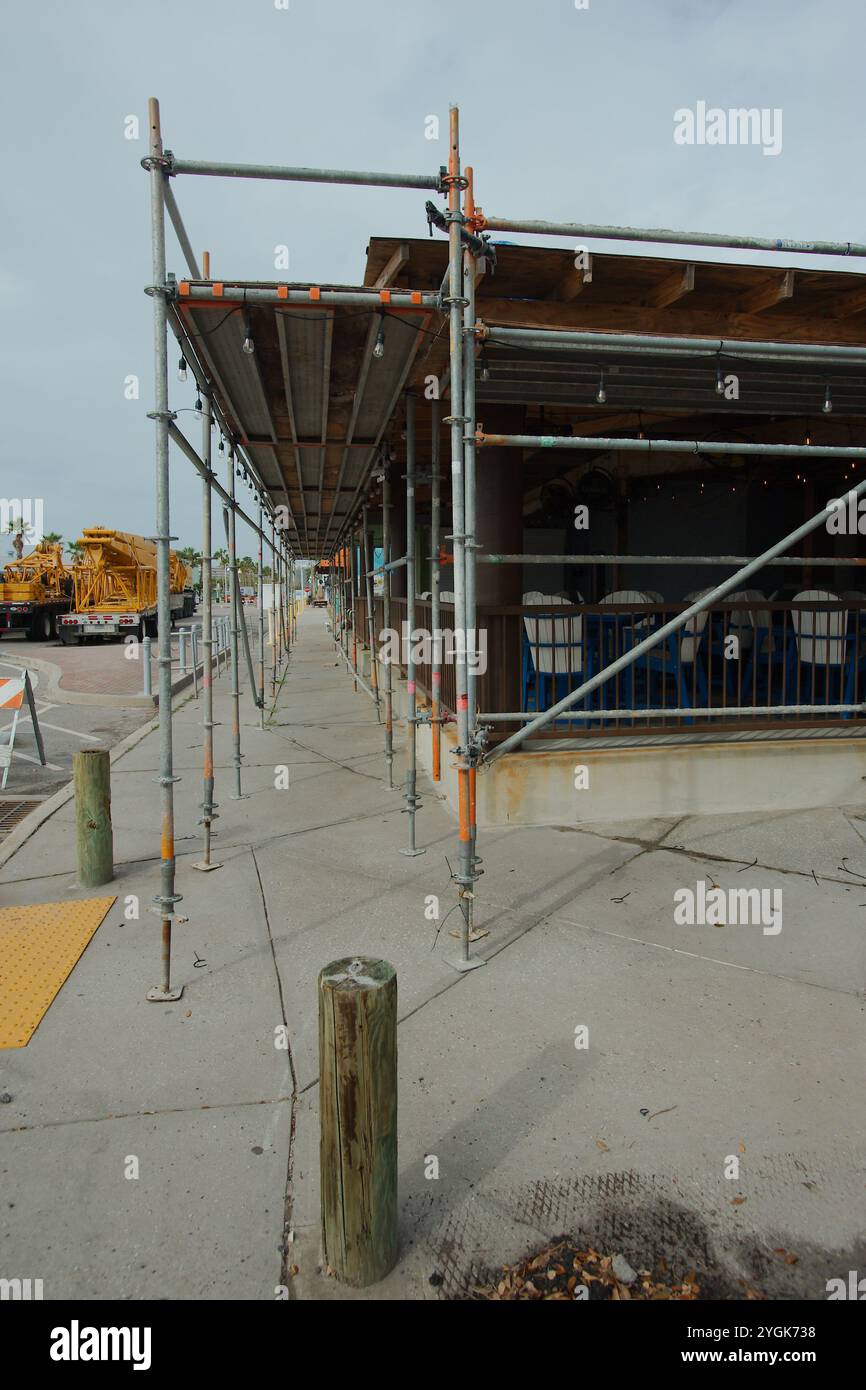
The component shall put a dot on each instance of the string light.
(249, 345)
(827, 407)
(601, 394)
(379, 349)
(181, 369)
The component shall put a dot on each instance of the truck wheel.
(40, 629)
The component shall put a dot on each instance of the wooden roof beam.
(399, 259)
(769, 294)
(572, 283)
(672, 288)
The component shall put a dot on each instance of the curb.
(57, 696)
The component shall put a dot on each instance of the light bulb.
(197, 408)
(181, 369)
(601, 394)
(379, 349)
(249, 345)
(720, 381)
(828, 403)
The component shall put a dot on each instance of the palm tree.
(221, 559)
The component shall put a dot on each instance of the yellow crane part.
(117, 572)
(40, 577)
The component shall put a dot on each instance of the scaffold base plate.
(458, 963)
(163, 996)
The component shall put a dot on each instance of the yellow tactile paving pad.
(39, 945)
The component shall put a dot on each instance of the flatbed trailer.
(115, 591)
(35, 592)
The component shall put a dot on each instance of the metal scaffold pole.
(237, 794)
(261, 605)
(273, 610)
(386, 623)
(166, 901)
(471, 633)
(368, 589)
(208, 805)
(435, 591)
(350, 541)
(410, 795)
(464, 877)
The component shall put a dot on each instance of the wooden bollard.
(91, 772)
(358, 1098)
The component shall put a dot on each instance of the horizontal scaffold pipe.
(660, 634)
(288, 174)
(566, 339)
(602, 444)
(841, 561)
(664, 235)
(223, 291)
(707, 711)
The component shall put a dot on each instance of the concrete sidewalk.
(703, 1043)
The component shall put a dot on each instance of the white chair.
(692, 634)
(744, 622)
(553, 646)
(820, 636)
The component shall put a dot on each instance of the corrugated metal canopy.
(312, 402)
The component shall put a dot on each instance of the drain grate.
(12, 813)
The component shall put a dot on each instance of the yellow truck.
(114, 593)
(35, 592)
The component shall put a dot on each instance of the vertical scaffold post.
(237, 794)
(273, 609)
(435, 590)
(464, 876)
(167, 900)
(368, 592)
(208, 805)
(284, 594)
(261, 601)
(472, 638)
(386, 623)
(410, 795)
(353, 584)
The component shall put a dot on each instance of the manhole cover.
(12, 813)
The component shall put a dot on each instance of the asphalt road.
(65, 729)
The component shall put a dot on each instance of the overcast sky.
(566, 113)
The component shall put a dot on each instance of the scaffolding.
(349, 547)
